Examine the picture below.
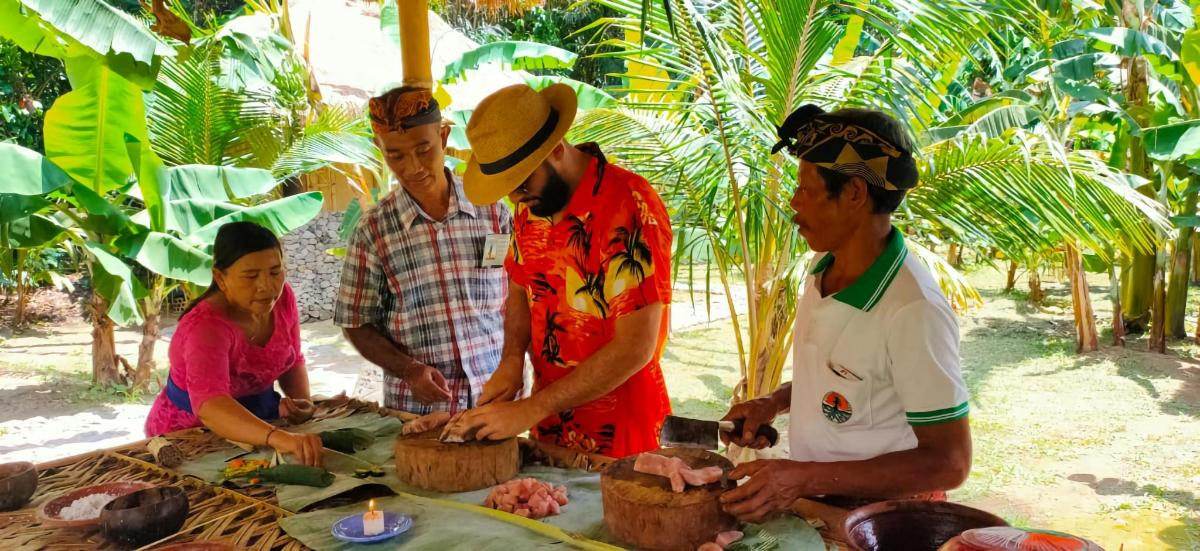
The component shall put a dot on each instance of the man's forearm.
(608, 367)
(379, 350)
(895, 475)
(294, 383)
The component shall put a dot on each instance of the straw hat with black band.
(511, 132)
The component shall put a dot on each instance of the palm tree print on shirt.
(550, 348)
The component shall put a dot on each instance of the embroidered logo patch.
(836, 407)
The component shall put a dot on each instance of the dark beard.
(554, 196)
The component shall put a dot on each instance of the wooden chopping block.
(427, 463)
(642, 511)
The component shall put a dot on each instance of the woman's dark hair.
(235, 240)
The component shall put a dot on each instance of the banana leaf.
(299, 475)
(347, 440)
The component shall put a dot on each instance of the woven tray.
(215, 514)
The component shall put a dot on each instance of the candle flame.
(371, 506)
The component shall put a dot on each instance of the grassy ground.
(1105, 445)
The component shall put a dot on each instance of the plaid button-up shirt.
(421, 282)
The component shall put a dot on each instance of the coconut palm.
(697, 119)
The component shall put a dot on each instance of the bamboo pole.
(414, 43)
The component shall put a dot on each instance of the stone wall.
(313, 272)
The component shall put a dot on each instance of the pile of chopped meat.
(724, 539)
(528, 497)
(674, 469)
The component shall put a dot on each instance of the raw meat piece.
(700, 477)
(676, 470)
(668, 467)
(528, 497)
(725, 539)
(426, 422)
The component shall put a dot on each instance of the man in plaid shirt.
(423, 284)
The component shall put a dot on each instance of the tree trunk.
(106, 364)
(22, 281)
(1036, 294)
(954, 255)
(1181, 256)
(1195, 258)
(152, 312)
(1158, 311)
(1012, 276)
(1137, 290)
(1086, 338)
(1114, 294)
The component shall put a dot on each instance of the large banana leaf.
(252, 53)
(85, 28)
(589, 96)
(85, 128)
(14, 207)
(1172, 141)
(1131, 42)
(280, 216)
(169, 256)
(217, 183)
(102, 218)
(515, 55)
(150, 174)
(27, 172)
(33, 231)
(114, 280)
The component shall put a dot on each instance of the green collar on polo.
(866, 291)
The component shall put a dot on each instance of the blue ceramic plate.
(350, 529)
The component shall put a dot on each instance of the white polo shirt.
(873, 360)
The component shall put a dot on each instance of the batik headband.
(399, 110)
(837, 144)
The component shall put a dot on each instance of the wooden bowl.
(912, 524)
(18, 481)
(145, 516)
(48, 514)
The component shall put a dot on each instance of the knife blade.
(699, 433)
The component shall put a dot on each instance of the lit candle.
(372, 520)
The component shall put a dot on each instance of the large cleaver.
(698, 433)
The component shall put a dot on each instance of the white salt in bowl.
(51, 513)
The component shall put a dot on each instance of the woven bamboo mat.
(215, 514)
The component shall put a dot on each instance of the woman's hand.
(306, 448)
(296, 410)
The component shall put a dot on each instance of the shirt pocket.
(845, 394)
(486, 289)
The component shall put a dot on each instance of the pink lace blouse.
(210, 356)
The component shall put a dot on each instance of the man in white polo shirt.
(877, 402)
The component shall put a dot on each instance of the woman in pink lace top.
(233, 344)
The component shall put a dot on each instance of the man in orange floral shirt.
(590, 282)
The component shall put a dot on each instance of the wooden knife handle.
(764, 430)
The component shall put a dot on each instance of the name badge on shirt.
(495, 247)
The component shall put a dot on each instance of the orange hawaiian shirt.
(609, 256)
